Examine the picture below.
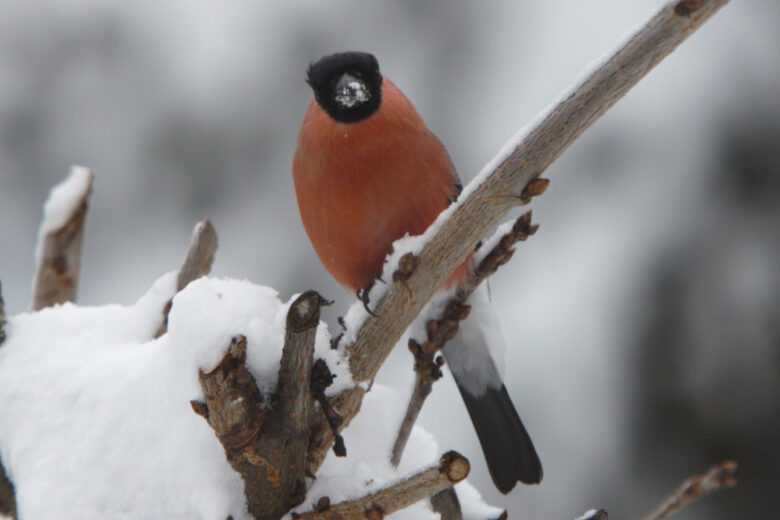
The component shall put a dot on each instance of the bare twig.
(482, 206)
(718, 477)
(197, 263)
(423, 385)
(266, 447)
(452, 468)
(200, 254)
(427, 361)
(427, 370)
(59, 241)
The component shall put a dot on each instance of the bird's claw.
(363, 296)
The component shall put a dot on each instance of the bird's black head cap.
(347, 85)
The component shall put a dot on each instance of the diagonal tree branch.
(717, 478)
(484, 202)
(720, 476)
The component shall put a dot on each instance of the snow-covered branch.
(266, 444)
(499, 188)
(58, 254)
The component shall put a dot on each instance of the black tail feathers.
(508, 449)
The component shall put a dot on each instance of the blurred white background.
(642, 319)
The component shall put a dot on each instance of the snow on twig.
(58, 253)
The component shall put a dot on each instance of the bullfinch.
(367, 171)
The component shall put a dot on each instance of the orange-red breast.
(367, 171)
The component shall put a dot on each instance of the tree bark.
(266, 445)
(57, 278)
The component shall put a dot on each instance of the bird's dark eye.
(350, 91)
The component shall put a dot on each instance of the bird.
(367, 171)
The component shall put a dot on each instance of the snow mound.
(96, 419)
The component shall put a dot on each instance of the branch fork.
(266, 445)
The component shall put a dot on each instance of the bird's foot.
(363, 296)
(322, 378)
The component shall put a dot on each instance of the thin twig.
(197, 263)
(481, 206)
(718, 477)
(452, 468)
(58, 253)
(427, 370)
(200, 254)
(427, 361)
